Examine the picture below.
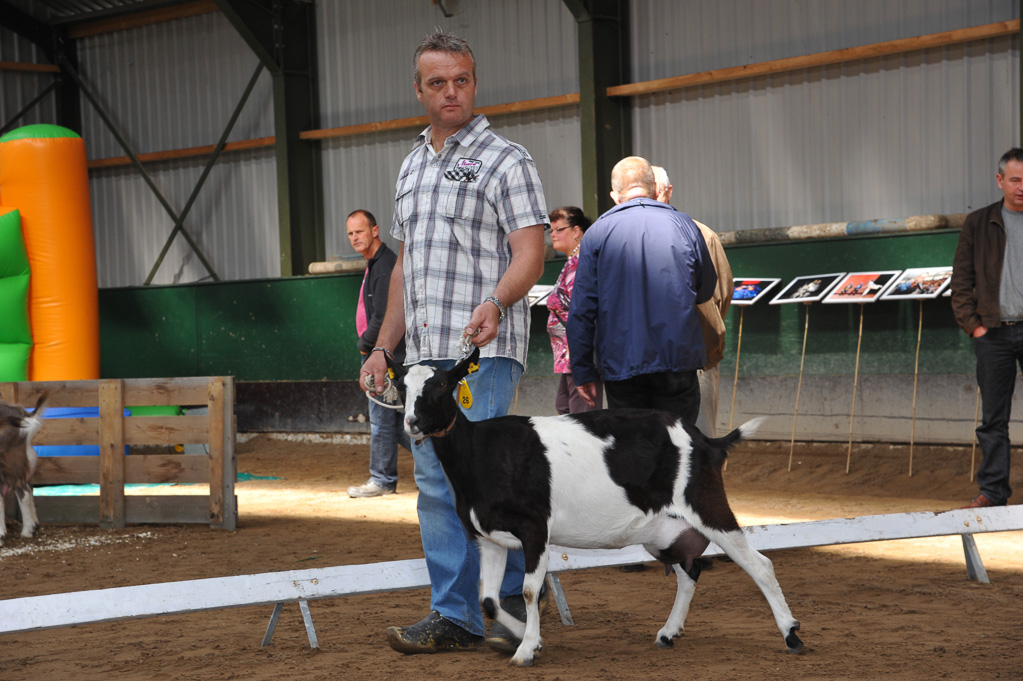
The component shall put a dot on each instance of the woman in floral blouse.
(567, 227)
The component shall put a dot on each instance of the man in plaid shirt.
(470, 213)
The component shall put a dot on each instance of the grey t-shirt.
(1010, 292)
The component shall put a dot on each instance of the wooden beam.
(26, 67)
(111, 453)
(556, 101)
(156, 16)
(216, 455)
(345, 131)
(176, 154)
(891, 47)
(933, 40)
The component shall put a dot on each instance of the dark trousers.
(674, 392)
(998, 352)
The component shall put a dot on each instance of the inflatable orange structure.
(43, 175)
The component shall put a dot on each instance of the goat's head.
(428, 392)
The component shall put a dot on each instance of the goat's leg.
(760, 568)
(683, 597)
(3, 519)
(532, 582)
(493, 560)
(29, 518)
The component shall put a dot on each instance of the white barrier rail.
(107, 605)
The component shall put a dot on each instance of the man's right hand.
(979, 331)
(375, 366)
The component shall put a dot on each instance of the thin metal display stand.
(856, 375)
(916, 373)
(799, 386)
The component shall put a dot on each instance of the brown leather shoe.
(981, 501)
(432, 634)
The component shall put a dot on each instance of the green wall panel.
(303, 328)
(148, 332)
(772, 335)
(297, 329)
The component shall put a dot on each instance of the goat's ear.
(461, 370)
(398, 369)
(41, 401)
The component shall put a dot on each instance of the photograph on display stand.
(807, 289)
(862, 287)
(748, 291)
(919, 282)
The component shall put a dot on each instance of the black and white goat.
(604, 479)
(18, 462)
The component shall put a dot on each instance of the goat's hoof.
(793, 642)
(527, 659)
(528, 662)
(665, 642)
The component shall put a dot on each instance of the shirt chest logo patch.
(465, 170)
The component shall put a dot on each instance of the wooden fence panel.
(112, 431)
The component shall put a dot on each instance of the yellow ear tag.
(474, 367)
(464, 396)
(390, 373)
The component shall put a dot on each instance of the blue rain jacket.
(643, 269)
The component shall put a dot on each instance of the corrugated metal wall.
(887, 137)
(171, 86)
(525, 49)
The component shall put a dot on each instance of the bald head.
(631, 178)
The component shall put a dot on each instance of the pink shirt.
(557, 303)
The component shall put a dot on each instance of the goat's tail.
(743, 432)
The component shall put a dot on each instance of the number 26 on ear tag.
(464, 395)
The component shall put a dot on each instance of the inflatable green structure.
(15, 331)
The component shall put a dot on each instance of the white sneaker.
(368, 489)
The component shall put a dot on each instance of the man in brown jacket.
(987, 299)
(711, 313)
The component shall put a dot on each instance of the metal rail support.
(307, 618)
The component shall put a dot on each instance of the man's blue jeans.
(452, 559)
(387, 431)
(998, 352)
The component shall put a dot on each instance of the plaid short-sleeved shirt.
(453, 211)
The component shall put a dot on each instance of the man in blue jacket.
(643, 269)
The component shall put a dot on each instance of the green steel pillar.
(605, 122)
(69, 97)
(55, 43)
(282, 33)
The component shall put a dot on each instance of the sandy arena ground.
(886, 610)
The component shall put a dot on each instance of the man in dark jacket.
(987, 299)
(643, 269)
(386, 428)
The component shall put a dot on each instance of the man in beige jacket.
(712, 316)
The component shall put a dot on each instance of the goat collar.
(445, 431)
